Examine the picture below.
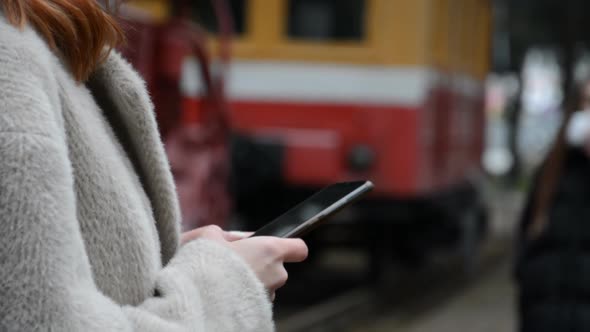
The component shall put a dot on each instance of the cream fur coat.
(89, 219)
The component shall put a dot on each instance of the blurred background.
(458, 110)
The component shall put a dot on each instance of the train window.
(320, 20)
(204, 14)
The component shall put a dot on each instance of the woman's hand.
(212, 232)
(264, 254)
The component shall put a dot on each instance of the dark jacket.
(553, 269)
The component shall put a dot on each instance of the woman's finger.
(189, 235)
(236, 235)
(294, 250)
(212, 232)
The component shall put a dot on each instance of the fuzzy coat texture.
(89, 218)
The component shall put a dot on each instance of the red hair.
(81, 31)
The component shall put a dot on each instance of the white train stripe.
(329, 83)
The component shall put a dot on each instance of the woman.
(88, 213)
(553, 261)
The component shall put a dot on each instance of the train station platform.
(486, 306)
(439, 297)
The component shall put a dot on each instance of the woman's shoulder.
(23, 47)
(29, 91)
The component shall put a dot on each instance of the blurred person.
(553, 262)
(89, 218)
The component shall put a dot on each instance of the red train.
(326, 91)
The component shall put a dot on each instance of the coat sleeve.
(46, 281)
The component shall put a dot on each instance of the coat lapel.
(122, 95)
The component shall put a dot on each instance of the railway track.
(402, 294)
